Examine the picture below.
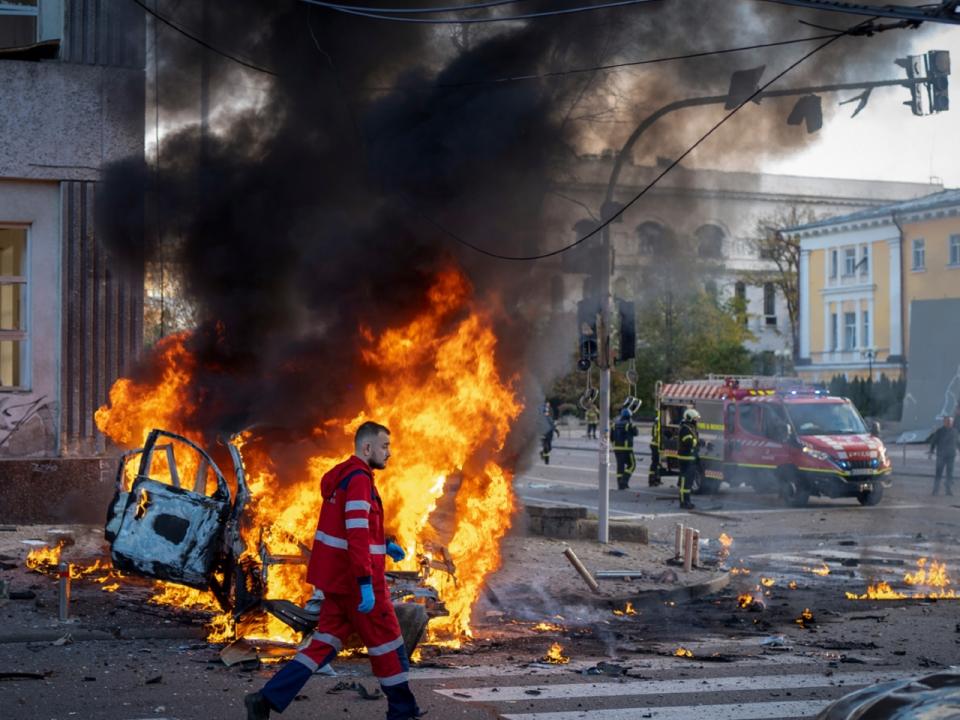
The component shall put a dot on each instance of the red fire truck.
(775, 435)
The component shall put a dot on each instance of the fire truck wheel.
(792, 489)
(871, 497)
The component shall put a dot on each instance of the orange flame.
(683, 652)
(555, 655)
(437, 387)
(932, 579)
(806, 618)
(767, 582)
(45, 559)
(547, 627)
(725, 540)
(823, 570)
(627, 610)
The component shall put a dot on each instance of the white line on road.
(653, 664)
(663, 687)
(738, 711)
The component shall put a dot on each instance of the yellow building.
(859, 274)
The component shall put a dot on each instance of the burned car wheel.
(871, 497)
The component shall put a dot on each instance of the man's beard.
(378, 464)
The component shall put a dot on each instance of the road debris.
(579, 567)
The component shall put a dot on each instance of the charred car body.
(180, 520)
(776, 436)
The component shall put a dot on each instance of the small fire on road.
(548, 627)
(683, 652)
(931, 578)
(627, 610)
(555, 655)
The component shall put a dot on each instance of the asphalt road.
(745, 664)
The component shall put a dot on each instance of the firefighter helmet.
(691, 415)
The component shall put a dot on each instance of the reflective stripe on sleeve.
(331, 541)
(378, 549)
(357, 505)
(394, 679)
(386, 647)
(328, 639)
(357, 523)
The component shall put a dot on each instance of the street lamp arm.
(946, 13)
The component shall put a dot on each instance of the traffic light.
(914, 66)
(587, 332)
(628, 329)
(938, 70)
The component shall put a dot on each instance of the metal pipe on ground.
(678, 541)
(579, 567)
(695, 552)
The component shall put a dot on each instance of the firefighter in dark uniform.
(688, 453)
(653, 475)
(548, 428)
(623, 433)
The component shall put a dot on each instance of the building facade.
(717, 214)
(72, 82)
(860, 274)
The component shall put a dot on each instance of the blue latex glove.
(366, 598)
(395, 552)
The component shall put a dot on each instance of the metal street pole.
(603, 360)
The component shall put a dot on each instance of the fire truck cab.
(775, 435)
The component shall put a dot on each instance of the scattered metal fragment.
(357, 687)
(154, 680)
(24, 675)
(579, 567)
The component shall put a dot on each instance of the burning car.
(178, 519)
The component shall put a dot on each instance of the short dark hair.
(368, 431)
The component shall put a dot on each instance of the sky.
(886, 141)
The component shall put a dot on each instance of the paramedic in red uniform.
(347, 564)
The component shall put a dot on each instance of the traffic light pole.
(604, 354)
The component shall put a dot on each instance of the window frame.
(834, 263)
(918, 244)
(834, 332)
(849, 331)
(865, 329)
(849, 262)
(864, 260)
(953, 250)
(23, 334)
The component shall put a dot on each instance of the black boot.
(257, 706)
(401, 705)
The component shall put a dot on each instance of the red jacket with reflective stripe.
(349, 545)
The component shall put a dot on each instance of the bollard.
(695, 553)
(687, 549)
(678, 541)
(63, 573)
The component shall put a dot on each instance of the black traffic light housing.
(587, 311)
(628, 329)
(938, 82)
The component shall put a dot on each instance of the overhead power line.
(419, 10)
(372, 14)
(626, 64)
(648, 186)
(200, 41)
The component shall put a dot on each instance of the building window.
(834, 333)
(13, 305)
(865, 329)
(709, 241)
(833, 263)
(849, 331)
(740, 295)
(849, 262)
(770, 303)
(865, 260)
(652, 238)
(955, 249)
(919, 254)
(18, 23)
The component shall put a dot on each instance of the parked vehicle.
(775, 435)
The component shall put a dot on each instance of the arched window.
(709, 241)
(652, 238)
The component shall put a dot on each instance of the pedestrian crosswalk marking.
(737, 711)
(662, 687)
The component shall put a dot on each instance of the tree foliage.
(783, 250)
